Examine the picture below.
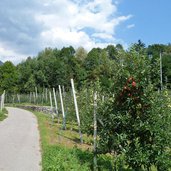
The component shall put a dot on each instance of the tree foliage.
(133, 117)
(135, 121)
(8, 77)
(52, 67)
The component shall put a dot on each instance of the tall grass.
(3, 114)
(65, 156)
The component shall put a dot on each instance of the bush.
(135, 123)
(3, 114)
(57, 158)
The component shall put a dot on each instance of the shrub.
(135, 123)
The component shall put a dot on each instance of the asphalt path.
(19, 142)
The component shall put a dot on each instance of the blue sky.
(151, 20)
(28, 26)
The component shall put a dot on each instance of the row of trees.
(53, 67)
(133, 117)
(135, 122)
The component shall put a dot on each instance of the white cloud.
(58, 23)
(103, 36)
(10, 55)
(65, 27)
(130, 26)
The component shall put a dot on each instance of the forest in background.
(53, 67)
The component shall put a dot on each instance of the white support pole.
(63, 94)
(46, 95)
(3, 99)
(166, 81)
(51, 105)
(95, 132)
(64, 100)
(161, 74)
(13, 98)
(76, 109)
(36, 93)
(63, 90)
(62, 107)
(1, 102)
(34, 97)
(30, 97)
(56, 104)
(6, 100)
(43, 96)
(18, 97)
(103, 99)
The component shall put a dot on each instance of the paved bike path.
(19, 142)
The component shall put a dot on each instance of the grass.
(3, 114)
(61, 149)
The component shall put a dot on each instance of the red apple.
(133, 84)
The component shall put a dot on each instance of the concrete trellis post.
(161, 72)
(13, 99)
(76, 109)
(46, 95)
(34, 97)
(103, 99)
(18, 96)
(62, 107)
(43, 96)
(6, 98)
(3, 99)
(1, 102)
(95, 132)
(56, 104)
(63, 90)
(51, 105)
(30, 97)
(36, 93)
(65, 100)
